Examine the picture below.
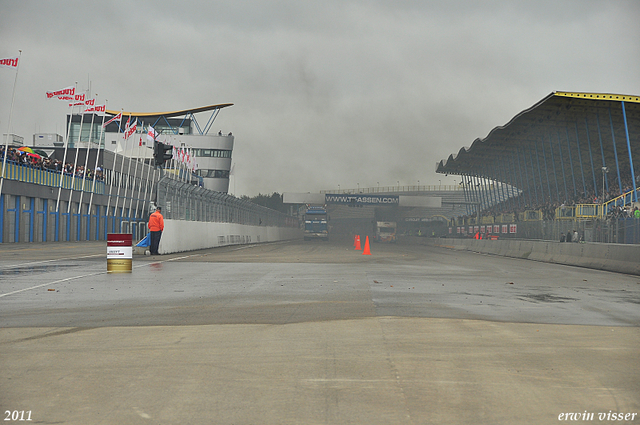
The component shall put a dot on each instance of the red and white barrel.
(119, 252)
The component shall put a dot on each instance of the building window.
(213, 174)
(212, 153)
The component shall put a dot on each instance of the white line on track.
(50, 283)
(48, 261)
(103, 272)
(86, 275)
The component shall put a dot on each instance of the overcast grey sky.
(325, 93)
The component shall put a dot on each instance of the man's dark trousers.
(155, 241)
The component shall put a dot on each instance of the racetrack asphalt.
(313, 332)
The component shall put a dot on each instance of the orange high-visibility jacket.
(156, 222)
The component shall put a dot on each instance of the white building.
(212, 152)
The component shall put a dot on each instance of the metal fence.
(614, 230)
(28, 174)
(183, 201)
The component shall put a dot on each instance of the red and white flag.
(87, 102)
(9, 63)
(67, 93)
(151, 134)
(116, 118)
(129, 130)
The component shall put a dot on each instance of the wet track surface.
(297, 333)
(299, 282)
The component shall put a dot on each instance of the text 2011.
(17, 415)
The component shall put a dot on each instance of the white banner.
(67, 93)
(9, 63)
(97, 109)
(88, 102)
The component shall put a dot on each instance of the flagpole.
(180, 173)
(146, 187)
(115, 161)
(129, 175)
(6, 143)
(84, 171)
(174, 167)
(75, 160)
(64, 156)
(135, 176)
(93, 183)
(153, 182)
(124, 149)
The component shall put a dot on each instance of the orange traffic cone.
(355, 238)
(358, 248)
(366, 247)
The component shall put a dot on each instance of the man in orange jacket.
(156, 226)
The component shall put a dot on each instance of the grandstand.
(565, 163)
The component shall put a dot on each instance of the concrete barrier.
(611, 257)
(180, 235)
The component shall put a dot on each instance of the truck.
(316, 223)
(385, 231)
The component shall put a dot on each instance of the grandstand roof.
(170, 114)
(566, 137)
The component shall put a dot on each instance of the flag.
(9, 63)
(67, 93)
(86, 102)
(129, 130)
(98, 109)
(116, 118)
(151, 134)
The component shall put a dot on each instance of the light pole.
(605, 170)
(338, 188)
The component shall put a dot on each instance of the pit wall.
(180, 235)
(611, 257)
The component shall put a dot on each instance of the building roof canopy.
(574, 133)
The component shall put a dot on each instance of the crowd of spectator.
(40, 162)
(518, 205)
